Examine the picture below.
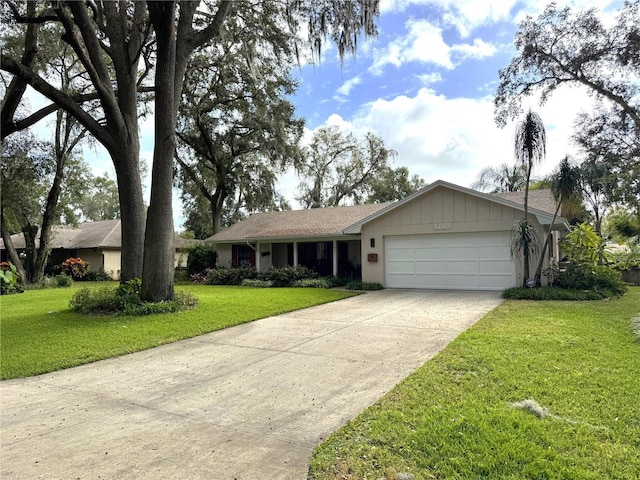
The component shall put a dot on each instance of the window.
(243, 256)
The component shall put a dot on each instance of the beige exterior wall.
(112, 263)
(180, 258)
(264, 256)
(94, 257)
(438, 211)
(224, 254)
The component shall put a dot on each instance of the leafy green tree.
(340, 168)
(530, 148)
(393, 184)
(623, 226)
(574, 48)
(112, 40)
(99, 200)
(503, 178)
(565, 186)
(237, 129)
(611, 146)
(109, 41)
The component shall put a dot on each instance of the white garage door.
(464, 261)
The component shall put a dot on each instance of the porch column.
(258, 256)
(295, 253)
(335, 258)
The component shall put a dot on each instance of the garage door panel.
(437, 253)
(401, 267)
(402, 281)
(428, 281)
(439, 267)
(491, 252)
(467, 268)
(495, 267)
(449, 260)
(462, 253)
(400, 254)
(466, 282)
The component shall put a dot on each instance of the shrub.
(9, 279)
(337, 281)
(286, 276)
(94, 300)
(62, 281)
(200, 258)
(356, 285)
(181, 301)
(180, 275)
(125, 300)
(76, 267)
(549, 293)
(584, 246)
(311, 283)
(98, 276)
(230, 276)
(247, 282)
(599, 278)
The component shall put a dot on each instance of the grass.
(39, 334)
(535, 390)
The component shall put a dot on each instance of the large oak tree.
(111, 40)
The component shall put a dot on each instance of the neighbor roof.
(539, 199)
(313, 222)
(105, 234)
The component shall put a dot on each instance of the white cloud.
(467, 15)
(454, 138)
(347, 86)
(429, 78)
(424, 43)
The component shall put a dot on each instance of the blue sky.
(425, 85)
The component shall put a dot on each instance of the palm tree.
(530, 148)
(503, 178)
(565, 186)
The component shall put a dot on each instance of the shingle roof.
(104, 234)
(313, 222)
(540, 199)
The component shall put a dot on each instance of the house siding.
(440, 211)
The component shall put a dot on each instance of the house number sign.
(442, 226)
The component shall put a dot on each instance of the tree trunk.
(538, 275)
(30, 231)
(525, 250)
(11, 251)
(157, 279)
(132, 213)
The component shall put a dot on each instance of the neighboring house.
(98, 243)
(443, 236)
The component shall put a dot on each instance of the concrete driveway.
(249, 402)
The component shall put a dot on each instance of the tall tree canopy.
(237, 129)
(339, 168)
(567, 47)
(112, 41)
(503, 178)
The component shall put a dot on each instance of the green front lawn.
(39, 334)
(454, 418)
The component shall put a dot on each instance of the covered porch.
(336, 257)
